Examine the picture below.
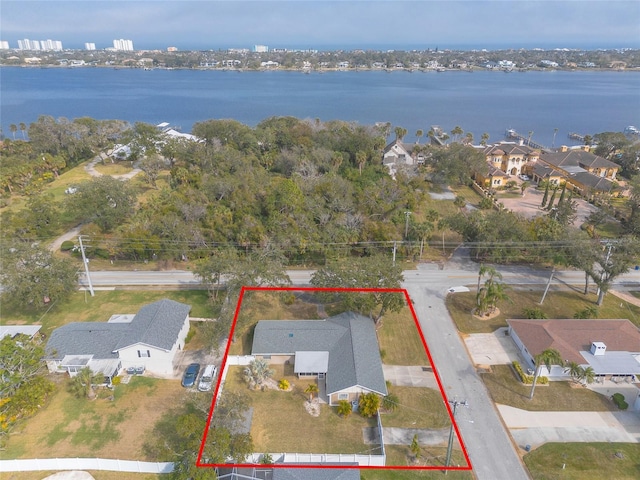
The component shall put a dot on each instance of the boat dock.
(576, 136)
(511, 133)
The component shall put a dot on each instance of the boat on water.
(631, 130)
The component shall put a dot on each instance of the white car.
(206, 380)
(524, 177)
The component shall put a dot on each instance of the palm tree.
(523, 187)
(487, 270)
(361, 159)
(82, 384)
(23, 127)
(456, 132)
(419, 134)
(574, 370)
(257, 372)
(400, 133)
(588, 375)
(495, 293)
(344, 408)
(548, 357)
(13, 129)
(312, 389)
(484, 138)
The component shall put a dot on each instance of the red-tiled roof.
(570, 337)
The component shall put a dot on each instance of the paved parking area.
(495, 348)
(409, 376)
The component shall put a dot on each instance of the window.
(343, 396)
(144, 354)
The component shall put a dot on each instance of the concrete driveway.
(410, 376)
(537, 428)
(495, 348)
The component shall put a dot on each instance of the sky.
(326, 24)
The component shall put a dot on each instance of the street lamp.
(406, 224)
(455, 404)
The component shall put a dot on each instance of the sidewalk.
(627, 297)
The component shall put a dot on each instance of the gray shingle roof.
(156, 325)
(350, 339)
(315, 474)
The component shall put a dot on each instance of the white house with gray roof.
(341, 351)
(150, 339)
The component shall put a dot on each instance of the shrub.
(115, 381)
(486, 203)
(287, 298)
(589, 312)
(618, 399)
(534, 313)
(266, 459)
(283, 384)
(66, 246)
(369, 404)
(190, 335)
(344, 408)
(526, 378)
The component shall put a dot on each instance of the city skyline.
(327, 24)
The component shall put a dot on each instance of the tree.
(82, 384)
(375, 271)
(552, 199)
(457, 132)
(484, 138)
(400, 133)
(13, 129)
(456, 165)
(588, 375)
(548, 357)
(390, 402)
(545, 197)
(257, 372)
(23, 127)
(151, 165)
(105, 201)
(415, 447)
(523, 187)
(419, 134)
(33, 277)
(369, 404)
(574, 370)
(361, 159)
(609, 261)
(312, 389)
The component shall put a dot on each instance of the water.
(483, 101)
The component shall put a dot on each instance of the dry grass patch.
(557, 396)
(401, 455)
(76, 427)
(108, 168)
(281, 424)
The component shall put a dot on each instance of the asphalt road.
(492, 453)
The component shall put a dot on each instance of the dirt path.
(90, 168)
(71, 234)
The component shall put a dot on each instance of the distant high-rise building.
(260, 48)
(4, 45)
(55, 45)
(27, 44)
(123, 45)
(89, 46)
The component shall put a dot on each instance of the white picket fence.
(320, 458)
(46, 464)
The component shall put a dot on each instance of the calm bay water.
(583, 102)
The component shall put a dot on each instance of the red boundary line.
(288, 465)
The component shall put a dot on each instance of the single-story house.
(342, 352)
(610, 347)
(13, 330)
(149, 339)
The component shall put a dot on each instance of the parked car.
(206, 380)
(190, 375)
(525, 177)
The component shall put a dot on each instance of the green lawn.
(584, 461)
(557, 396)
(558, 304)
(281, 424)
(399, 341)
(418, 408)
(82, 307)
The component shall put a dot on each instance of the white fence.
(240, 359)
(320, 458)
(44, 464)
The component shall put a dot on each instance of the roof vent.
(291, 335)
(598, 348)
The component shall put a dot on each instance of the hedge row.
(528, 379)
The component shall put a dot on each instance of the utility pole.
(548, 285)
(455, 404)
(86, 266)
(406, 224)
(394, 252)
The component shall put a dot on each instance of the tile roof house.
(510, 157)
(610, 347)
(583, 169)
(149, 339)
(341, 351)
